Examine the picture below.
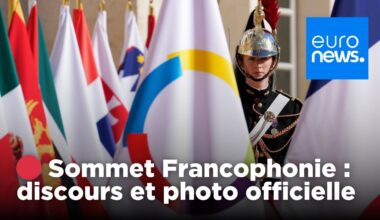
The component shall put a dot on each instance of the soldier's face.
(257, 67)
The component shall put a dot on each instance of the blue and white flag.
(132, 59)
(340, 124)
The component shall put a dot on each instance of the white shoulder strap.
(267, 119)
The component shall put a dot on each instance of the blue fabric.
(154, 83)
(354, 8)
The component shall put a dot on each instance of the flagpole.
(66, 2)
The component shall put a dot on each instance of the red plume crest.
(272, 12)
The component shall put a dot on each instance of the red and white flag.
(113, 92)
(75, 103)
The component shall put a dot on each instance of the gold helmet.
(259, 42)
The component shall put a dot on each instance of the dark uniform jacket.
(274, 144)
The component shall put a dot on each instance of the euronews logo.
(334, 50)
(337, 48)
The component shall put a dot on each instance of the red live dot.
(28, 167)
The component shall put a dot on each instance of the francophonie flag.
(188, 108)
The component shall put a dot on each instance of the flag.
(70, 81)
(132, 58)
(151, 24)
(188, 108)
(76, 108)
(3, 124)
(68, 208)
(46, 82)
(28, 75)
(98, 103)
(12, 96)
(9, 183)
(110, 81)
(339, 124)
(15, 126)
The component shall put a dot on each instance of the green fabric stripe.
(8, 72)
(47, 86)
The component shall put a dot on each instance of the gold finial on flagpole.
(129, 6)
(102, 5)
(66, 2)
(151, 7)
(79, 4)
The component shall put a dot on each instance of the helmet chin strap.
(258, 80)
(250, 77)
(245, 73)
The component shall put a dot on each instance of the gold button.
(273, 131)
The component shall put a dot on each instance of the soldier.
(271, 115)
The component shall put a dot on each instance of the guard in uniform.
(271, 115)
